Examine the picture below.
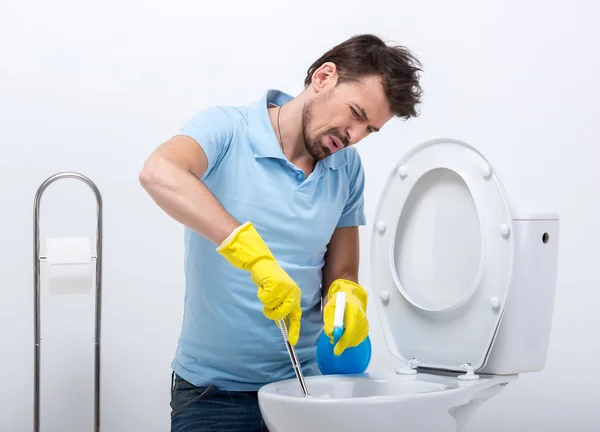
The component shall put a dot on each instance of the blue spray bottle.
(354, 360)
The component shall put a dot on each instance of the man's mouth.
(334, 144)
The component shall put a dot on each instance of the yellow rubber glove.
(245, 249)
(356, 325)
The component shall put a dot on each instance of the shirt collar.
(263, 139)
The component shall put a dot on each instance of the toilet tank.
(523, 336)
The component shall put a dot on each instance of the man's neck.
(287, 124)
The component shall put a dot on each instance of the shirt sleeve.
(354, 209)
(212, 129)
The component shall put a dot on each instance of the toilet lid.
(442, 256)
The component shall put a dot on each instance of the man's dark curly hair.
(367, 55)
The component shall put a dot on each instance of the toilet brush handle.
(293, 357)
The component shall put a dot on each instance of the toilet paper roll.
(69, 264)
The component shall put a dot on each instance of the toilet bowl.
(376, 402)
(464, 288)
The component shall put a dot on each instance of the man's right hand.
(172, 176)
(244, 248)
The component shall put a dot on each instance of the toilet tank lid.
(533, 215)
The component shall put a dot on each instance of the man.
(271, 195)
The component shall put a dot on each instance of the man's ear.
(325, 77)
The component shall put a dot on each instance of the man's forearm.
(186, 199)
(329, 277)
(342, 258)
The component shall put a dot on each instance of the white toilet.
(464, 288)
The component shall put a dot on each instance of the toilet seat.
(442, 256)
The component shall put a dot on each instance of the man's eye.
(354, 113)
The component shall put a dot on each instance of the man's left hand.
(356, 325)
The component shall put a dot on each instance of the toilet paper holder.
(36, 289)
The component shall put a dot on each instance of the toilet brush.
(293, 357)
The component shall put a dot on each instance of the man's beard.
(314, 145)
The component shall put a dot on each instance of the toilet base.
(377, 402)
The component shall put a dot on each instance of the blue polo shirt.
(225, 339)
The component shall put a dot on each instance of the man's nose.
(354, 134)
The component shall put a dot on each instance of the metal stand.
(36, 289)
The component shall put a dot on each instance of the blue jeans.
(209, 409)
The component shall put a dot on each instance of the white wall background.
(94, 87)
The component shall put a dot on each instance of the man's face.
(343, 115)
